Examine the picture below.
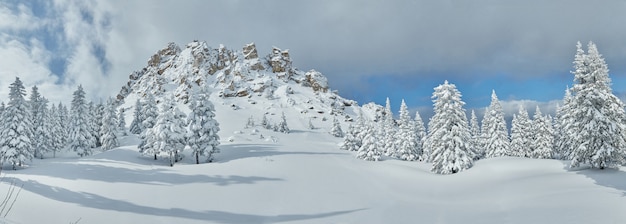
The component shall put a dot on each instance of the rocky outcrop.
(316, 81)
(251, 57)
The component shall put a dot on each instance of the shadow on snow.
(241, 151)
(607, 177)
(99, 202)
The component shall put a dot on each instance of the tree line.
(589, 127)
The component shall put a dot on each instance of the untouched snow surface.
(303, 177)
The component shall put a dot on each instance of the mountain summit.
(234, 74)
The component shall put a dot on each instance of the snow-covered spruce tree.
(282, 125)
(420, 133)
(42, 132)
(109, 129)
(121, 121)
(522, 134)
(202, 137)
(56, 131)
(37, 118)
(475, 132)
(168, 134)
(64, 122)
(542, 139)
(250, 122)
(17, 129)
(449, 137)
(149, 113)
(93, 123)
(371, 145)
(350, 142)
(599, 120)
(406, 137)
(388, 136)
(310, 125)
(336, 129)
(495, 137)
(98, 115)
(265, 123)
(81, 140)
(135, 125)
(565, 133)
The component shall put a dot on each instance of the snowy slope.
(304, 178)
(301, 177)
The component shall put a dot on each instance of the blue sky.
(369, 50)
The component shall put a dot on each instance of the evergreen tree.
(57, 134)
(406, 137)
(43, 136)
(265, 123)
(202, 136)
(371, 145)
(17, 129)
(64, 124)
(495, 137)
(109, 129)
(135, 125)
(389, 131)
(350, 142)
(449, 135)
(475, 132)
(420, 134)
(598, 116)
(94, 124)
(98, 115)
(542, 139)
(121, 121)
(81, 140)
(282, 125)
(250, 122)
(336, 129)
(565, 137)
(521, 134)
(150, 114)
(168, 134)
(310, 125)
(37, 119)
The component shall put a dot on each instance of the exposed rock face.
(316, 80)
(228, 73)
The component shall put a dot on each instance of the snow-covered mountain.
(241, 74)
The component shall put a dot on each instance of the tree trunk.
(197, 158)
(155, 158)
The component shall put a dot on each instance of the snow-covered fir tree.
(250, 122)
(350, 142)
(36, 108)
(522, 134)
(42, 132)
(449, 137)
(98, 115)
(56, 131)
(371, 145)
(336, 129)
(109, 129)
(93, 123)
(406, 136)
(121, 121)
(495, 137)
(475, 132)
(542, 139)
(389, 131)
(169, 132)
(17, 129)
(265, 123)
(135, 125)
(81, 140)
(310, 125)
(565, 132)
(598, 117)
(149, 113)
(282, 125)
(202, 137)
(420, 133)
(64, 124)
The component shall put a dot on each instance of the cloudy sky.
(368, 49)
